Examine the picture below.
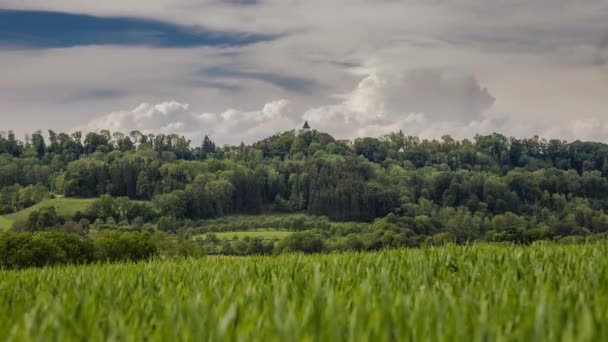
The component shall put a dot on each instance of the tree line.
(491, 187)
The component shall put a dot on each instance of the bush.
(536, 234)
(306, 242)
(22, 250)
(43, 219)
(354, 242)
(440, 239)
(75, 249)
(117, 246)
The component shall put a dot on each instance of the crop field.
(482, 292)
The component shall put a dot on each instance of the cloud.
(289, 83)
(427, 102)
(375, 67)
(588, 129)
(419, 102)
(230, 126)
(43, 29)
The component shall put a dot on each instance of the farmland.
(469, 293)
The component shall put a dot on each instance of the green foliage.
(42, 219)
(451, 293)
(305, 242)
(116, 246)
(263, 234)
(490, 188)
(65, 207)
(22, 250)
(118, 209)
(15, 198)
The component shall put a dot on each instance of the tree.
(38, 144)
(372, 149)
(116, 246)
(144, 188)
(172, 204)
(42, 219)
(305, 242)
(208, 145)
(220, 194)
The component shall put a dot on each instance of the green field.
(5, 223)
(472, 293)
(64, 207)
(264, 234)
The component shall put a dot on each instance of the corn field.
(453, 293)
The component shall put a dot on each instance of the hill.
(492, 188)
(263, 234)
(64, 207)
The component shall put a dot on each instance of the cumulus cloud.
(543, 60)
(588, 129)
(426, 102)
(230, 126)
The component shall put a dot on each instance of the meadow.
(264, 234)
(480, 292)
(64, 206)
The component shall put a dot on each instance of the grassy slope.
(5, 223)
(64, 207)
(468, 293)
(264, 234)
(257, 219)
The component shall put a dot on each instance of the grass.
(475, 293)
(277, 221)
(5, 223)
(264, 234)
(64, 207)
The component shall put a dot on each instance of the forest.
(368, 194)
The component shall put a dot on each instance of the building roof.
(306, 126)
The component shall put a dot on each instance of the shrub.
(306, 242)
(22, 250)
(116, 246)
(75, 249)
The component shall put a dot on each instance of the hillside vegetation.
(376, 193)
(260, 233)
(67, 207)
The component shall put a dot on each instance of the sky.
(242, 70)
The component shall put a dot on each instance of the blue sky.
(245, 69)
(45, 29)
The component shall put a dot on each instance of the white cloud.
(589, 129)
(230, 126)
(419, 102)
(544, 61)
(428, 103)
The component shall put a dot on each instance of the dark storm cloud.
(289, 83)
(93, 94)
(224, 86)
